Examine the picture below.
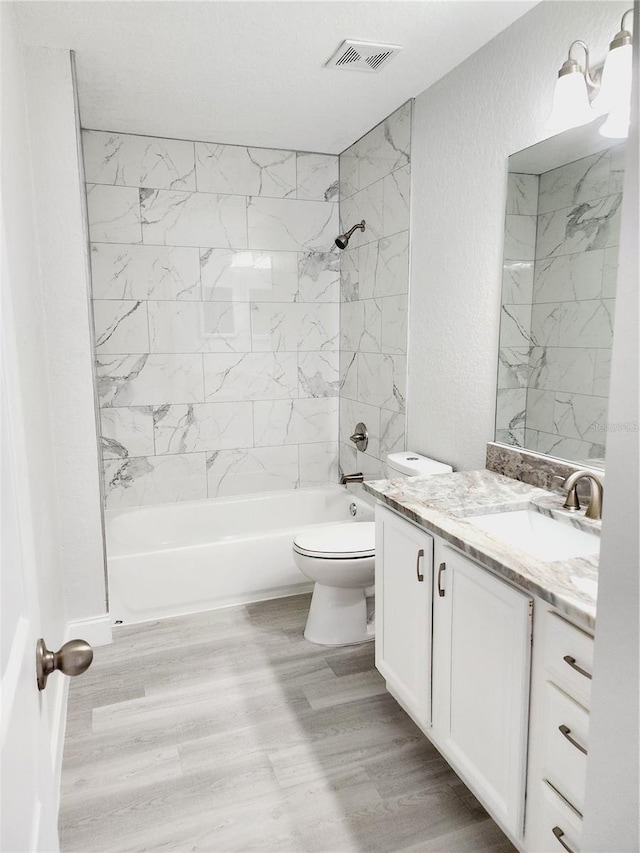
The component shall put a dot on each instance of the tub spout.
(351, 478)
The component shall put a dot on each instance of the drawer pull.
(418, 572)
(559, 834)
(441, 569)
(566, 731)
(572, 663)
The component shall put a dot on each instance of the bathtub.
(187, 557)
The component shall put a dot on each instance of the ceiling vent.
(362, 55)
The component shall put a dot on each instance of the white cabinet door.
(404, 578)
(482, 647)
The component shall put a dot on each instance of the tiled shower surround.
(216, 303)
(561, 249)
(374, 186)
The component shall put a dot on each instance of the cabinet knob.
(441, 569)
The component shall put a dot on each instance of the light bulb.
(570, 107)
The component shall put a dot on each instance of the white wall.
(611, 814)
(464, 128)
(72, 448)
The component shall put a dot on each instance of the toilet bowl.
(340, 559)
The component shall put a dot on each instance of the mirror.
(560, 261)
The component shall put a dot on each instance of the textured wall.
(464, 129)
(375, 174)
(216, 293)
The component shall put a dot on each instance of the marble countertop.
(441, 503)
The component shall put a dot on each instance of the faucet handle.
(572, 503)
(360, 437)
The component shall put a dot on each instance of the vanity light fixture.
(581, 95)
(614, 96)
(571, 103)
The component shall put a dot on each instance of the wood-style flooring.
(227, 731)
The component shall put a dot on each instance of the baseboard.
(97, 632)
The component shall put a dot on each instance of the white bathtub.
(201, 555)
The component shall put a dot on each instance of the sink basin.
(542, 537)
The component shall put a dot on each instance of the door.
(28, 794)
(482, 644)
(404, 569)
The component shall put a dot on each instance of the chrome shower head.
(343, 239)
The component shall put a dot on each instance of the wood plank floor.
(228, 731)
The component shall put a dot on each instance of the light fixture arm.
(572, 65)
(624, 36)
(584, 93)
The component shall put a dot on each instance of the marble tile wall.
(216, 295)
(515, 319)
(557, 322)
(374, 283)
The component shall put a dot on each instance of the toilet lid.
(345, 540)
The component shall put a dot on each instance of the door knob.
(72, 659)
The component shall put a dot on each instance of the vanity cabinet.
(559, 733)
(453, 638)
(482, 629)
(404, 583)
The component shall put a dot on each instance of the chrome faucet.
(572, 503)
(351, 478)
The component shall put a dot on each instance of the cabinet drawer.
(569, 657)
(559, 827)
(565, 741)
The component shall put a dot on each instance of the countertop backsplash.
(533, 468)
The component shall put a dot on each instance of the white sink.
(542, 537)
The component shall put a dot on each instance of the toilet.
(340, 558)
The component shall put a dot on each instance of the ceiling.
(251, 73)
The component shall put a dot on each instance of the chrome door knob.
(73, 658)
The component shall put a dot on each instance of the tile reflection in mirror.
(562, 223)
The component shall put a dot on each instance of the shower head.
(343, 239)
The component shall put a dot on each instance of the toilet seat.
(346, 541)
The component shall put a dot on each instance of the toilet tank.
(410, 464)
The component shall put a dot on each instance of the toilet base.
(338, 617)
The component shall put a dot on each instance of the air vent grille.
(362, 55)
(350, 55)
